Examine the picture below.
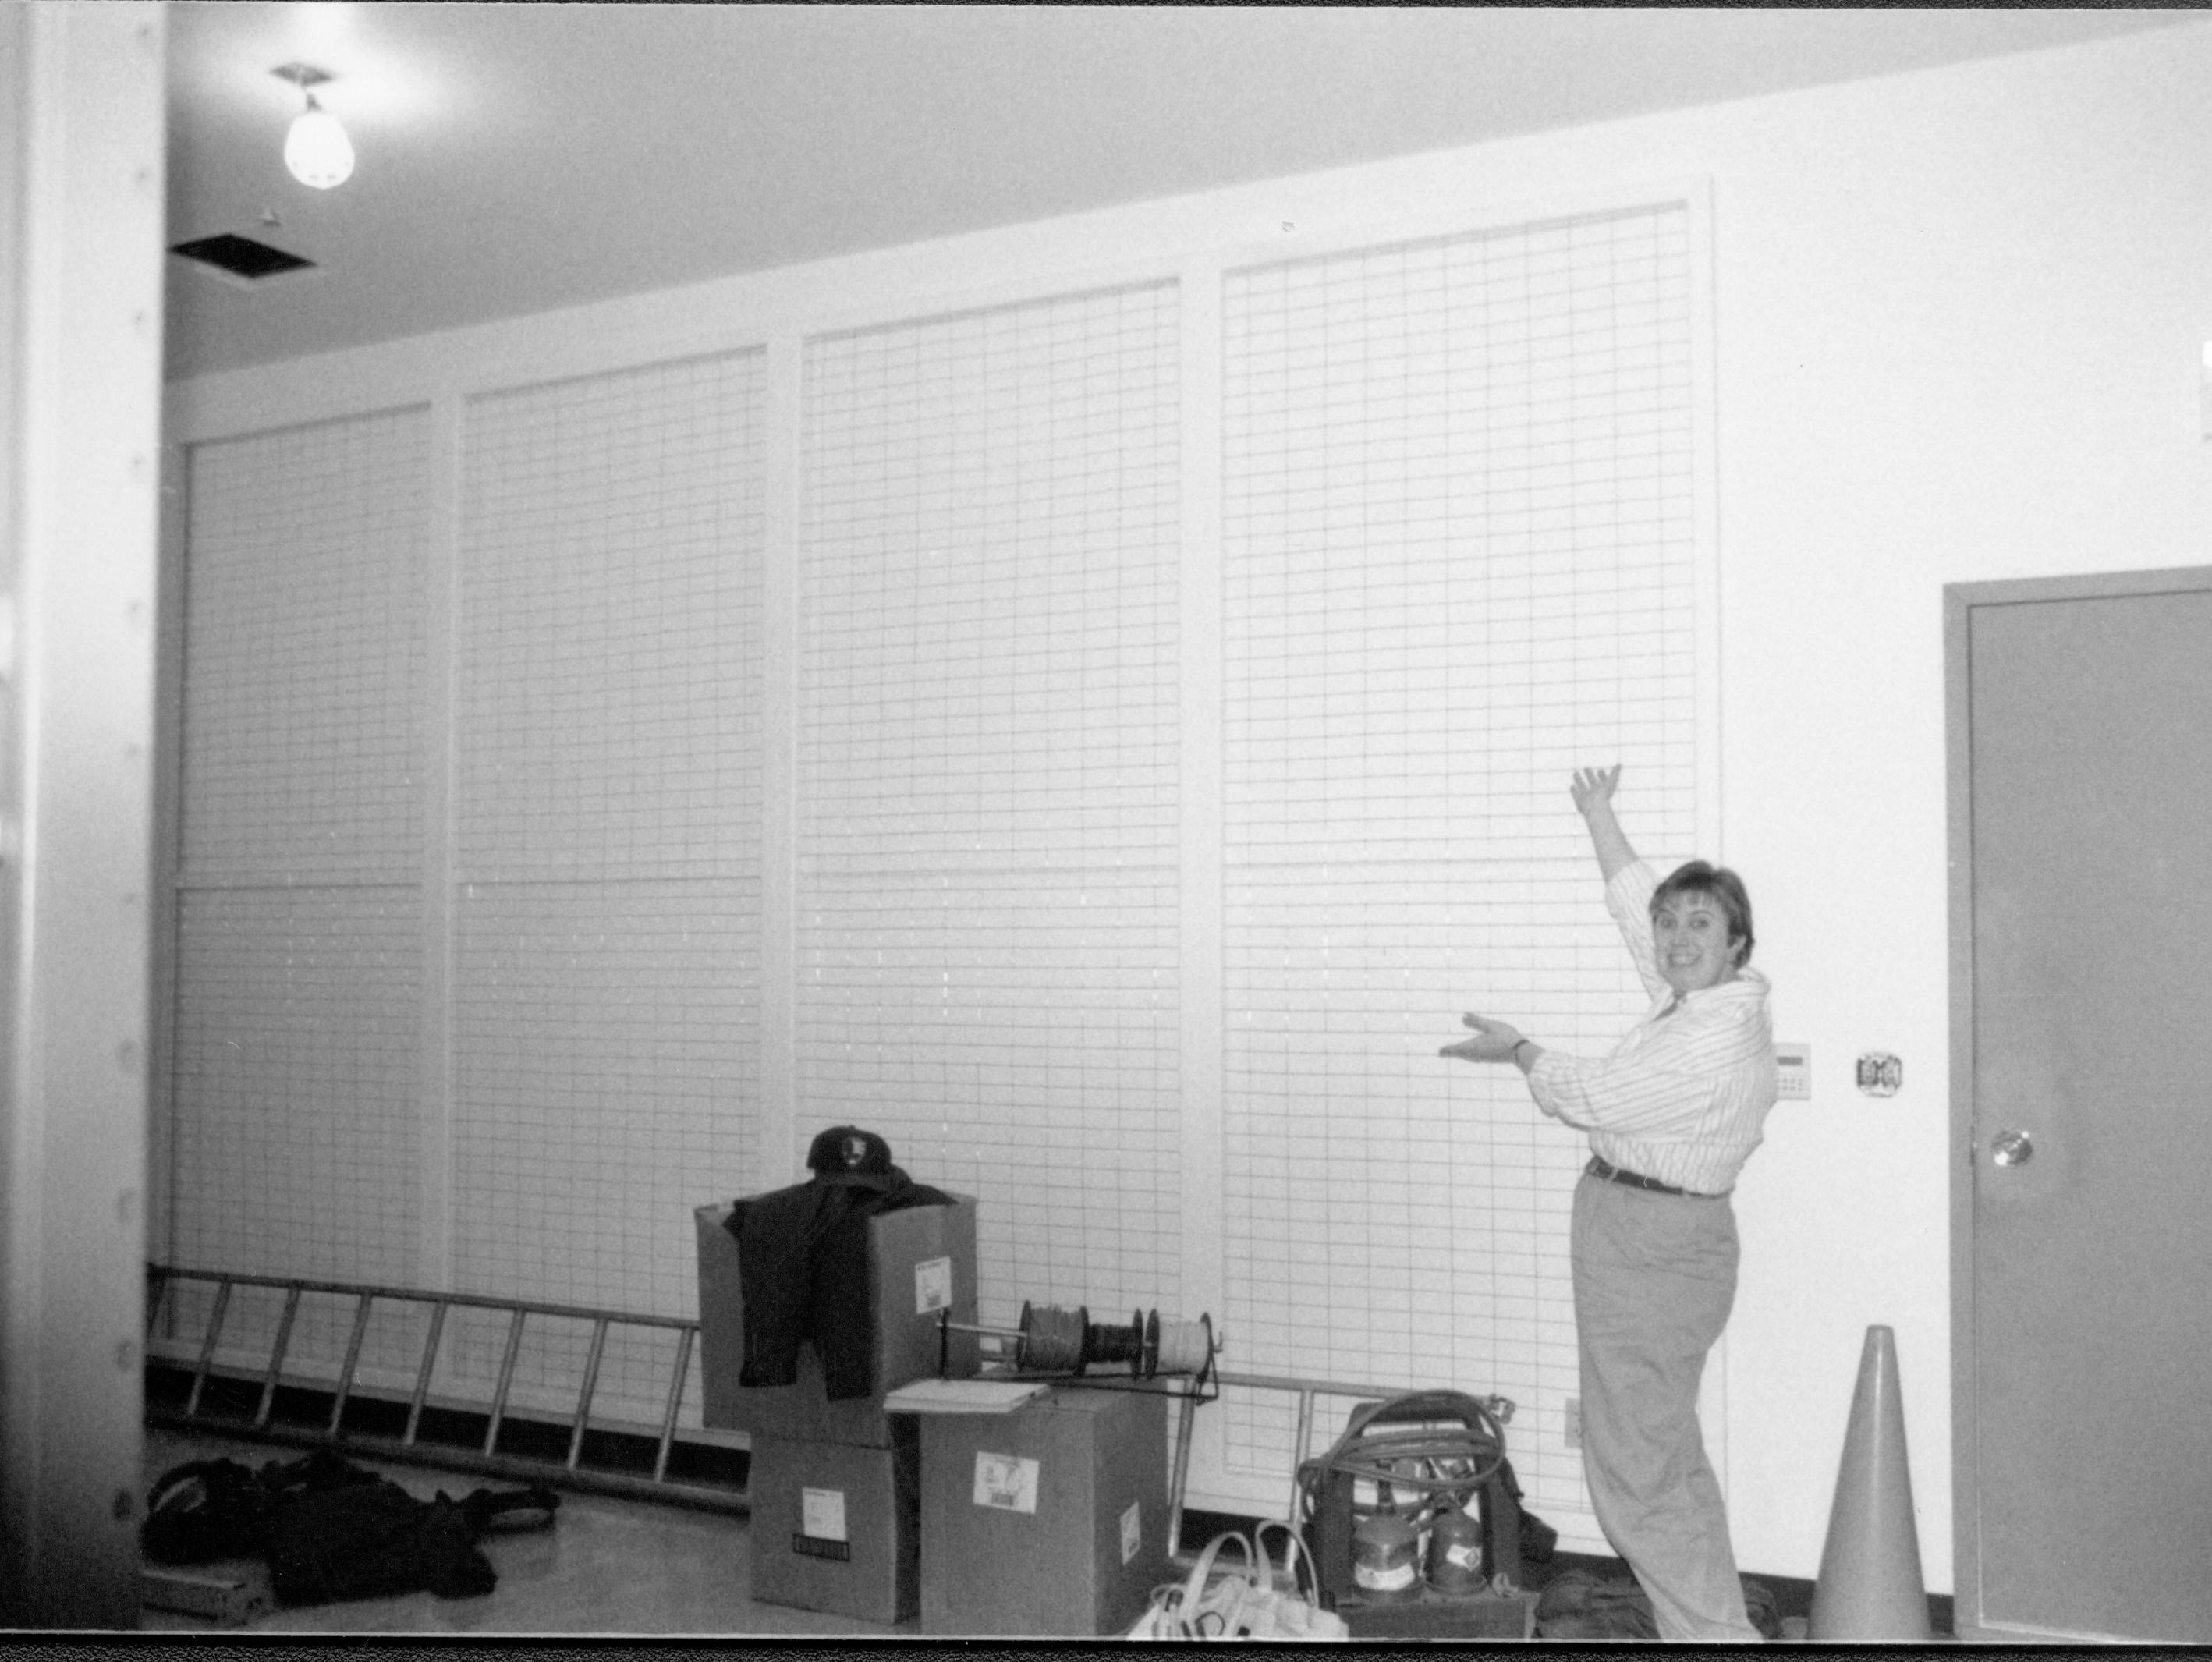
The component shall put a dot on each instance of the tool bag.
(1420, 1453)
(204, 1511)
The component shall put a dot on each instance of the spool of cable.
(1052, 1339)
(1106, 1344)
(1182, 1347)
(1057, 1341)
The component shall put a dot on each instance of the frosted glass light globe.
(317, 149)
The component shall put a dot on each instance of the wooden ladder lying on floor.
(577, 1472)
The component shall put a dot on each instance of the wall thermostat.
(1879, 1074)
(1793, 1072)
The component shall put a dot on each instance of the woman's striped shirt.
(1684, 1097)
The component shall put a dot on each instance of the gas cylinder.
(1385, 1556)
(1453, 1563)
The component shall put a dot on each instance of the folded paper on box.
(962, 1396)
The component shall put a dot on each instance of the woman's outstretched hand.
(1493, 1042)
(1593, 788)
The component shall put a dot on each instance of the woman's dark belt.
(1599, 1167)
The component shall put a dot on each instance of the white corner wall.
(1958, 319)
(82, 161)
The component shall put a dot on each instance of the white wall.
(1958, 320)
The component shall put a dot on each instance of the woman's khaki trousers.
(1654, 1277)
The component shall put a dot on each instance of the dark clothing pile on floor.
(803, 1262)
(331, 1530)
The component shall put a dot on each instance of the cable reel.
(1061, 1343)
(1052, 1340)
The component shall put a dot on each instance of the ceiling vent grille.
(241, 259)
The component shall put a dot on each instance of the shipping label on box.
(822, 1525)
(1008, 1481)
(932, 1286)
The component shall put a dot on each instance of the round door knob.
(2012, 1148)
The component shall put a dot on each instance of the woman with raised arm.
(1672, 1114)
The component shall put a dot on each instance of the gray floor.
(606, 1567)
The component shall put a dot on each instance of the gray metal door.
(2081, 1036)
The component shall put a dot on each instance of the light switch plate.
(1793, 1072)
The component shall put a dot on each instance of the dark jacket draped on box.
(803, 1262)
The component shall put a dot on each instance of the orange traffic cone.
(1869, 1588)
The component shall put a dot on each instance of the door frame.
(1960, 601)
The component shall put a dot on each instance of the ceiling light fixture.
(317, 149)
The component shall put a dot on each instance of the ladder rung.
(423, 1376)
(675, 1402)
(506, 1380)
(207, 1346)
(352, 1359)
(1299, 1448)
(584, 1396)
(276, 1358)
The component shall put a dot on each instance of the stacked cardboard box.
(834, 1526)
(833, 1485)
(1050, 1521)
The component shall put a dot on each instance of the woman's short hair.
(1700, 877)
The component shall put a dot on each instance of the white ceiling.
(521, 156)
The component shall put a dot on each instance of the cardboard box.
(834, 1526)
(921, 1260)
(1050, 1521)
